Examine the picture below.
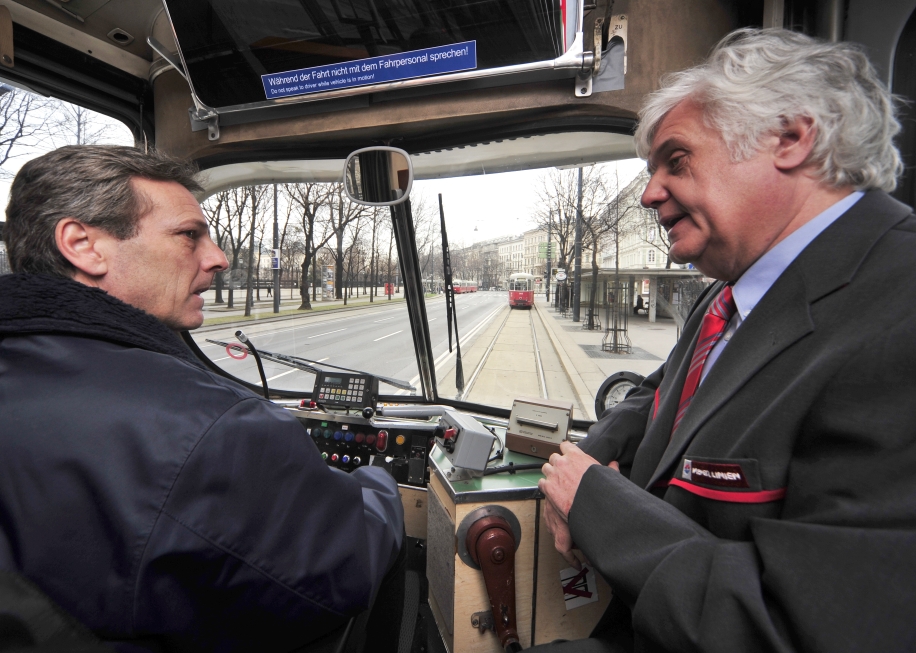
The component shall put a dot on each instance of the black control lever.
(257, 357)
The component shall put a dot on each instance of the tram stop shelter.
(666, 292)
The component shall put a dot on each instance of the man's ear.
(84, 247)
(795, 143)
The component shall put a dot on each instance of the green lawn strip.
(295, 311)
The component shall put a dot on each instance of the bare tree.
(559, 197)
(342, 213)
(256, 196)
(214, 208)
(375, 218)
(23, 125)
(557, 210)
(237, 230)
(71, 124)
(290, 238)
(309, 199)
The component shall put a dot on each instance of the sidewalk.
(264, 309)
(587, 365)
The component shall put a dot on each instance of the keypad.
(352, 393)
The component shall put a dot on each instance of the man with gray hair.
(758, 492)
(163, 505)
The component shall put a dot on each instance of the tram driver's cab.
(368, 163)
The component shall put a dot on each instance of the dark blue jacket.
(154, 499)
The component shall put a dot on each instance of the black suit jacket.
(782, 514)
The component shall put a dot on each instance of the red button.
(382, 443)
(449, 434)
(334, 457)
(360, 438)
(370, 438)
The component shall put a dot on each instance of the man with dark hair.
(757, 492)
(157, 502)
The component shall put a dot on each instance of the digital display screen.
(334, 380)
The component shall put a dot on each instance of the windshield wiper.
(307, 365)
(450, 311)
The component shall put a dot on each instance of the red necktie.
(714, 324)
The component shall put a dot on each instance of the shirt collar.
(758, 278)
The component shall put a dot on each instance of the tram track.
(489, 350)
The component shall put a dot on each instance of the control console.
(350, 441)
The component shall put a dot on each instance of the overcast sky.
(496, 205)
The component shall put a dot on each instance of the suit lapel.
(658, 433)
(757, 342)
(782, 318)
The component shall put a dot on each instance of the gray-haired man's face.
(720, 215)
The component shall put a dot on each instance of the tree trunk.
(338, 267)
(219, 289)
(304, 288)
(249, 298)
(594, 292)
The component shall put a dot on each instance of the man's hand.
(562, 475)
(562, 539)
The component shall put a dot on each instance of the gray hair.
(91, 183)
(756, 81)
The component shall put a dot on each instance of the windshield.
(341, 296)
(511, 229)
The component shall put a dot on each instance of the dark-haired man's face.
(165, 267)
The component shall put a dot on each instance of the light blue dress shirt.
(758, 278)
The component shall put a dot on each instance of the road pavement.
(374, 338)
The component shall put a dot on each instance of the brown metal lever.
(492, 546)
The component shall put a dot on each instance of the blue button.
(338, 435)
(346, 458)
(348, 436)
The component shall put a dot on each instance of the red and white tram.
(521, 290)
(461, 286)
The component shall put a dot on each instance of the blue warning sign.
(374, 70)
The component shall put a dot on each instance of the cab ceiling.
(86, 24)
(507, 155)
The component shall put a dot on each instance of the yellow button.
(400, 439)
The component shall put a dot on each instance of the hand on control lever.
(562, 539)
(562, 475)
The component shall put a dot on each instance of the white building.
(511, 256)
(641, 245)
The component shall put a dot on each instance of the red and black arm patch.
(733, 481)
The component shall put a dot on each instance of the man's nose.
(655, 194)
(215, 259)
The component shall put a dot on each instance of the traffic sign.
(561, 275)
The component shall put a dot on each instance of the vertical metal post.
(549, 225)
(277, 248)
(577, 261)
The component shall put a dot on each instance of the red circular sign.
(238, 348)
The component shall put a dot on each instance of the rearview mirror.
(378, 176)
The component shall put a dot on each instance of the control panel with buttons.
(348, 442)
